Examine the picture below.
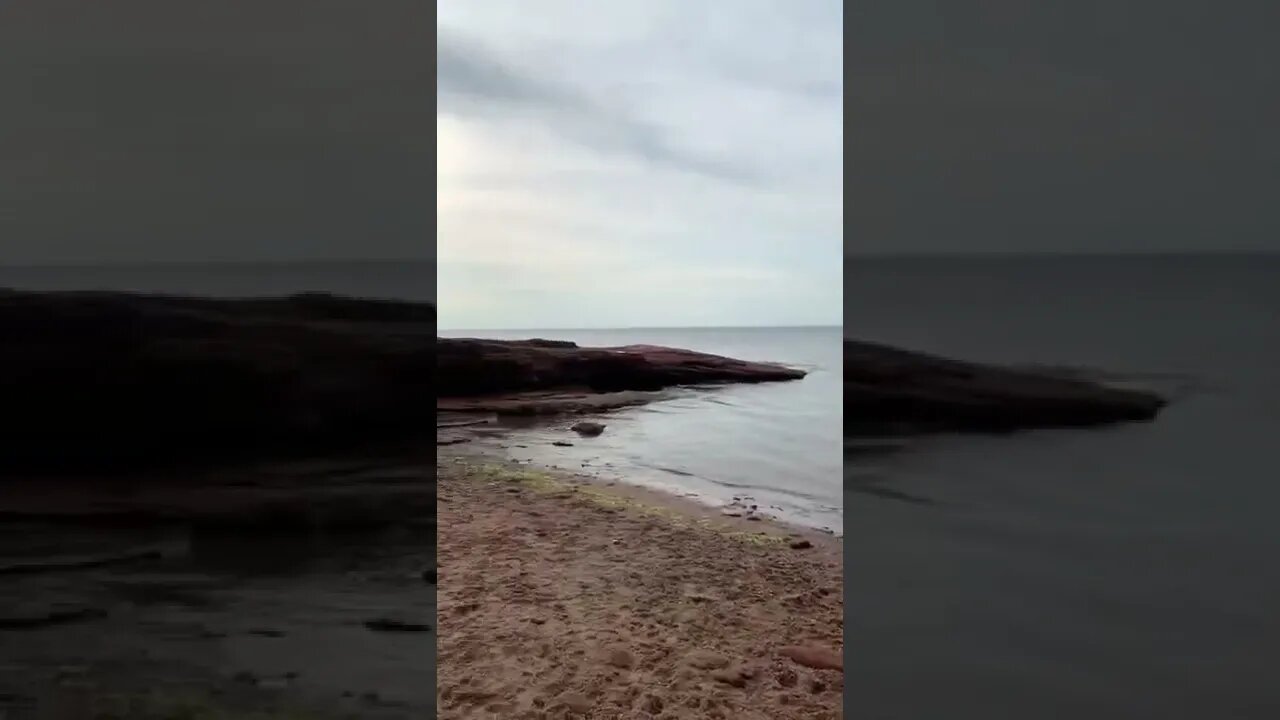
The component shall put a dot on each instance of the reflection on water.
(1125, 572)
(287, 611)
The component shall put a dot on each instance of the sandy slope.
(563, 598)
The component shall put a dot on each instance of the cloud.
(471, 79)
(638, 163)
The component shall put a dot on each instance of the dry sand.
(563, 597)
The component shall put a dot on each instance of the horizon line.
(908, 254)
(822, 326)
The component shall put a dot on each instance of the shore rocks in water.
(890, 391)
(394, 625)
(47, 618)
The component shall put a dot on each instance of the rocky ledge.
(888, 391)
(103, 380)
(468, 367)
(99, 381)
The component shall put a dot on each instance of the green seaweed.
(548, 482)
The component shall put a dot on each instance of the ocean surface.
(775, 445)
(1129, 572)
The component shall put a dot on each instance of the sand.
(564, 597)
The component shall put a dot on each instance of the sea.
(1126, 572)
(773, 445)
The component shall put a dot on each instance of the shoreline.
(571, 596)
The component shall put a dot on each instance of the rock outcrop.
(472, 367)
(96, 380)
(99, 381)
(889, 391)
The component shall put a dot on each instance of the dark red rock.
(472, 367)
(104, 381)
(891, 391)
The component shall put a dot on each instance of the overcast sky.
(144, 130)
(1089, 125)
(639, 163)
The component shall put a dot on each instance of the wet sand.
(569, 597)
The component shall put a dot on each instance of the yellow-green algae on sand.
(548, 482)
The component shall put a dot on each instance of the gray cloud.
(472, 79)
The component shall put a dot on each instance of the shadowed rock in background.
(889, 391)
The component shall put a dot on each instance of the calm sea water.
(776, 445)
(1121, 573)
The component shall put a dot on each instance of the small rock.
(576, 702)
(801, 545)
(813, 657)
(729, 677)
(387, 625)
(652, 704)
(562, 443)
(621, 658)
(706, 660)
(588, 429)
(51, 617)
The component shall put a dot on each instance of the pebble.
(388, 625)
(621, 658)
(729, 677)
(706, 660)
(813, 657)
(801, 545)
(576, 702)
